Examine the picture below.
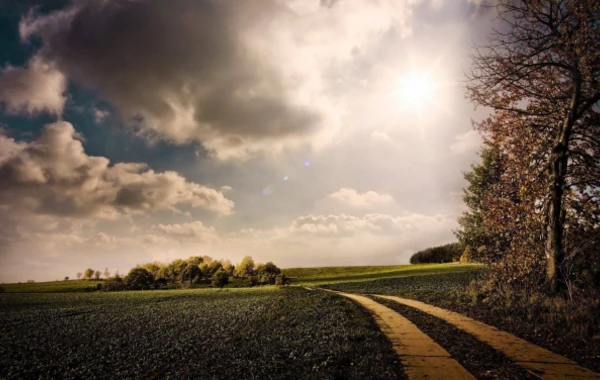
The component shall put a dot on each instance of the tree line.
(447, 253)
(91, 274)
(194, 271)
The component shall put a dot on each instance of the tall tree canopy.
(540, 75)
(483, 180)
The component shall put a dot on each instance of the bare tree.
(540, 74)
(106, 273)
(79, 274)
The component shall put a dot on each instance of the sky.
(303, 132)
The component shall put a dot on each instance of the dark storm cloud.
(186, 70)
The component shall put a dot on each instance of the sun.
(415, 90)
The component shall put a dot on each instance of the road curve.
(541, 362)
(421, 357)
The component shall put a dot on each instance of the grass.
(51, 286)
(269, 332)
(264, 333)
(298, 276)
(422, 285)
(331, 275)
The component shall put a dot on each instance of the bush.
(281, 280)
(252, 281)
(30, 281)
(220, 278)
(467, 256)
(113, 284)
(160, 283)
(442, 254)
(139, 279)
(267, 273)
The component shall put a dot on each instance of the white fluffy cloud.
(237, 76)
(343, 224)
(39, 87)
(353, 198)
(53, 175)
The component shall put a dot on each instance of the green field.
(56, 329)
(329, 275)
(298, 276)
(239, 333)
(419, 286)
(51, 286)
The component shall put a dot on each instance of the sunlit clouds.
(305, 132)
(353, 198)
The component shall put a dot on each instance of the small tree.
(66, 278)
(88, 274)
(267, 273)
(97, 275)
(152, 267)
(139, 279)
(175, 268)
(78, 275)
(191, 274)
(195, 260)
(220, 278)
(228, 267)
(245, 268)
(204, 269)
(106, 273)
(213, 268)
(483, 180)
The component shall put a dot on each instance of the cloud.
(193, 230)
(336, 239)
(239, 77)
(39, 87)
(343, 224)
(381, 136)
(355, 199)
(100, 115)
(467, 143)
(53, 175)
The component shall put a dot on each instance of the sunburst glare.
(416, 90)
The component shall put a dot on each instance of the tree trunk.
(554, 246)
(558, 167)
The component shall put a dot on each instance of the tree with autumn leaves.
(540, 75)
